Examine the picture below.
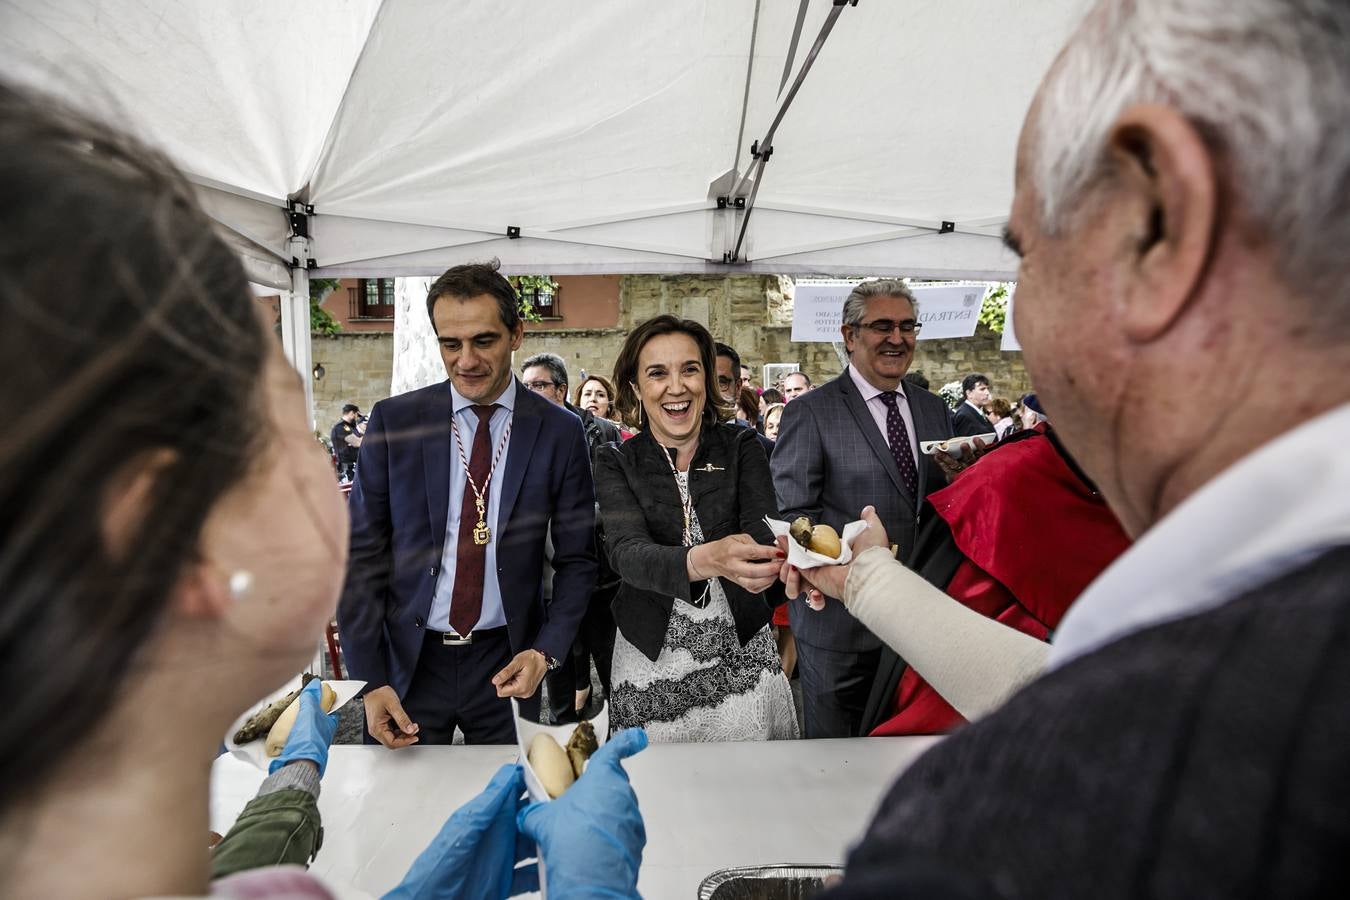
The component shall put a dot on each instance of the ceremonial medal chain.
(482, 534)
(687, 505)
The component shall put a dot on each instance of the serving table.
(706, 806)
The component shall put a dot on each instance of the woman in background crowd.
(683, 506)
(772, 416)
(1000, 416)
(768, 397)
(597, 395)
(185, 580)
(747, 408)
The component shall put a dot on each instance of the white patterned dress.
(704, 686)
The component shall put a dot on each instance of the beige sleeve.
(975, 663)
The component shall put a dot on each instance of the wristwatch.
(549, 661)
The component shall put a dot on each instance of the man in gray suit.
(847, 444)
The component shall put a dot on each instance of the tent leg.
(295, 336)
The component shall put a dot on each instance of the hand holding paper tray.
(255, 751)
(958, 447)
(802, 558)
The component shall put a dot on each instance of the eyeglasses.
(884, 327)
(541, 386)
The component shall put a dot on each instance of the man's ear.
(518, 335)
(1167, 185)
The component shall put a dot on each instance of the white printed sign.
(818, 309)
(1010, 341)
(948, 310)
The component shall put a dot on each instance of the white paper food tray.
(256, 751)
(956, 447)
(802, 558)
(526, 730)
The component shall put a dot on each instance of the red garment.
(780, 617)
(1034, 536)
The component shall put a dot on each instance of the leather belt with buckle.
(450, 639)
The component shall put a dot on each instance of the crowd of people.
(1130, 611)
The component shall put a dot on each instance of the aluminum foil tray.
(778, 882)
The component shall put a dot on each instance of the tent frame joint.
(297, 215)
(947, 227)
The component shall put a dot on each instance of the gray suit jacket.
(830, 461)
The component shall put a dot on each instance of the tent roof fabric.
(420, 131)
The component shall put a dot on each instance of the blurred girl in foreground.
(161, 573)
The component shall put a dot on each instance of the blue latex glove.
(591, 838)
(475, 853)
(312, 733)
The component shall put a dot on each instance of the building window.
(372, 298)
(543, 300)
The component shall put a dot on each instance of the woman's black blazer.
(640, 507)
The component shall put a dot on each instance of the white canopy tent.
(400, 137)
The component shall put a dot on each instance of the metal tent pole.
(295, 337)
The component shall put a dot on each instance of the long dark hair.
(626, 367)
(129, 335)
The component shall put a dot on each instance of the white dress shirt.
(493, 614)
(877, 407)
(1265, 515)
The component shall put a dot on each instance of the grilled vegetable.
(820, 539)
(262, 721)
(581, 745)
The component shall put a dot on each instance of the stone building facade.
(356, 369)
(752, 313)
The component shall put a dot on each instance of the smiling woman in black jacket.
(683, 505)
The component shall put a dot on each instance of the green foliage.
(527, 288)
(994, 310)
(321, 321)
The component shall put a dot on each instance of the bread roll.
(550, 764)
(281, 730)
(825, 541)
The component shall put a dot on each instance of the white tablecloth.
(706, 806)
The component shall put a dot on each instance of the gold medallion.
(481, 533)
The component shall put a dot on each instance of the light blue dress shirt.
(493, 615)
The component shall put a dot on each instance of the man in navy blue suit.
(442, 613)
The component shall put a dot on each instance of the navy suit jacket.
(399, 509)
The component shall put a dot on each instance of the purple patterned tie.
(897, 435)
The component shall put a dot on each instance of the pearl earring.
(241, 583)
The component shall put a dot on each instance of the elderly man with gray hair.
(850, 443)
(1182, 212)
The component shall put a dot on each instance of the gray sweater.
(1207, 757)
